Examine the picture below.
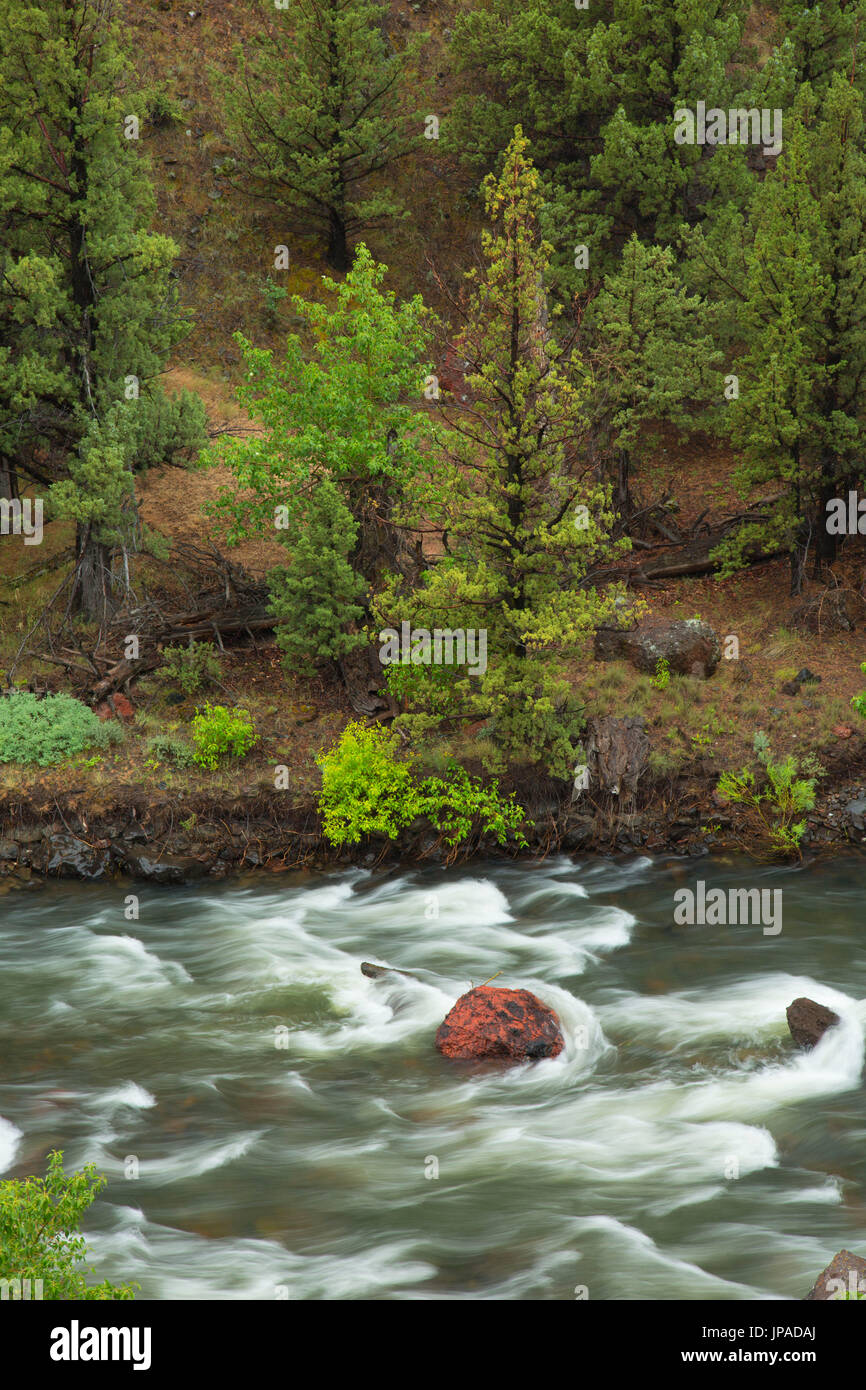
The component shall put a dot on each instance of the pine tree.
(801, 412)
(596, 91)
(86, 299)
(653, 359)
(314, 596)
(523, 523)
(826, 36)
(318, 114)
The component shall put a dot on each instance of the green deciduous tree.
(343, 433)
(39, 1240)
(319, 114)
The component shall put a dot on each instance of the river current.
(274, 1124)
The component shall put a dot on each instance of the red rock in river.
(509, 1025)
(809, 1021)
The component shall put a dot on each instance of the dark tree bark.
(9, 486)
(91, 586)
(338, 246)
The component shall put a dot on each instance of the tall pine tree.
(318, 112)
(801, 413)
(523, 520)
(87, 308)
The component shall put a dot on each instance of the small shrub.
(218, 732)
(784, 795)
(368, 790)
(273, 296)
(859, 700)
(662, 676)
(168, 748)
(50, 730)
(39, 1238)
(194, 667)
(162, 109)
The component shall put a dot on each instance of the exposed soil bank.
(170, 839)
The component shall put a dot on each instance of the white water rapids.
(267, 1116)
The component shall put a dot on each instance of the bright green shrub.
(368, 790)
(41, 732)
(39, 1220)
(784, 794)
(859, 700)
(218, 732)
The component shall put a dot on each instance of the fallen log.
(219, 626)
(121, 674)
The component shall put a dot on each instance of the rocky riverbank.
(171, 839)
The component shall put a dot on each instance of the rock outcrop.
(844, 1277)
(809, 1021)
(507, 1025)
(690, 648)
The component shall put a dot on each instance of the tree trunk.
(798, 565)
(91, 593)
(8, 479)
(826, 545)
(623, 492)
(338, 249)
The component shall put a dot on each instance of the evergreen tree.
(319, 113)
(596, 91)
(826, 37)
(508, 485)
(801, 410)
(314, 597)
(86, 293)
(652, 357)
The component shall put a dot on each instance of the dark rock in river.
(381, 972)
(844, 1276)
(809, 1021)
(69, 857)
(690, 648)
(155, 866)
(508, 1025)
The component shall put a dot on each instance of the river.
(273, 1124)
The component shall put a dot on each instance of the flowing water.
(272, 1122)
